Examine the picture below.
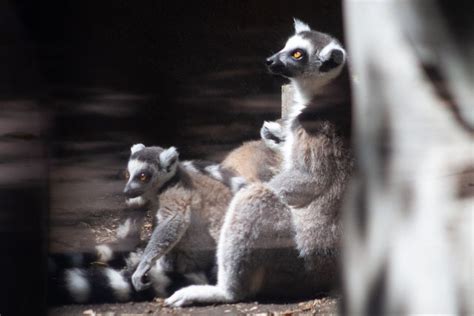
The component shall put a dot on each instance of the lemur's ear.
(168, 158)
(332, 55)
(136, 147)
(337, 56)
(333, 51)
(300, 26)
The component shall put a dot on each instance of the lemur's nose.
(269, 61)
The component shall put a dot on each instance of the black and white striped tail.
(76, 277)
(113, 254)
(103, 284)
(105, 276)
(217, 172)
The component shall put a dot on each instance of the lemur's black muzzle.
(269, 61)
(131, 193)
(274, 65)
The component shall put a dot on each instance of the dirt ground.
(323, 306)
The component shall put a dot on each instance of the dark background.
(80, 81)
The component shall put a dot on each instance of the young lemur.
(258, 160)
(190, 208)
(281, 238)
(253, 161)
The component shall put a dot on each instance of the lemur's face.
(148, 169)
(308, 54)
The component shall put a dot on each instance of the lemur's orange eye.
(143, 177)
(297, 54)
(126, 175)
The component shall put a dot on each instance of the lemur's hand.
(139, 275)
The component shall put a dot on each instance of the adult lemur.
(281, 238)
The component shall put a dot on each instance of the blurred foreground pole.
(408, 244)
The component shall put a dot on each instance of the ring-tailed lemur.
(281, 238)
(190, 207)
(253, 161)
(258, 160)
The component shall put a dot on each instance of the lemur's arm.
(297, 188)
(163, 239)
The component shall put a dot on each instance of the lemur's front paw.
(272, 134)
(138, 278)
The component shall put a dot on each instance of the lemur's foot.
(203, 294)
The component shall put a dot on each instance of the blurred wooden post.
(286, 99)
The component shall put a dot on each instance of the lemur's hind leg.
(248, 234)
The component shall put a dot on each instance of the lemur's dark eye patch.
(297, 54)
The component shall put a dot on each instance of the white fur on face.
(135, 202)
(135, 166)
(298, 41)
(77, 285)
(300, 26)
